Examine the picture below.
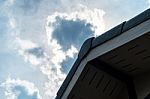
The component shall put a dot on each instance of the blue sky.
(40, 39)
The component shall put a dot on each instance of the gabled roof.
(92, 43)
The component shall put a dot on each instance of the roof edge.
(82, 53)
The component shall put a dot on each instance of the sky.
(40, 40)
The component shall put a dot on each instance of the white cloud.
(12, 23)
(52, 56)
(55, 75)
(92, 16)
(49, 65)
(149, 2)
(11, 93)
(71, 52)
(23, 46)
(9, 2)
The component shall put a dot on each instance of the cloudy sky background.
(40, 39)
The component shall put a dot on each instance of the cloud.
(71, 32)
(50, 56)
(3, 24)
(20, 89)
(12, 23)
(70, 53)
(72, 29)
(68, 30)
(37, 51)
(25, 44)
(24, 7)
(25, 49)
(48, 64)
(148, 2)
(89, 17)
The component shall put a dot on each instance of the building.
(115, 65)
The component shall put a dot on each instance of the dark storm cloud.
(37, 51)
(27, 7)
(71, 32)
(23, 94)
